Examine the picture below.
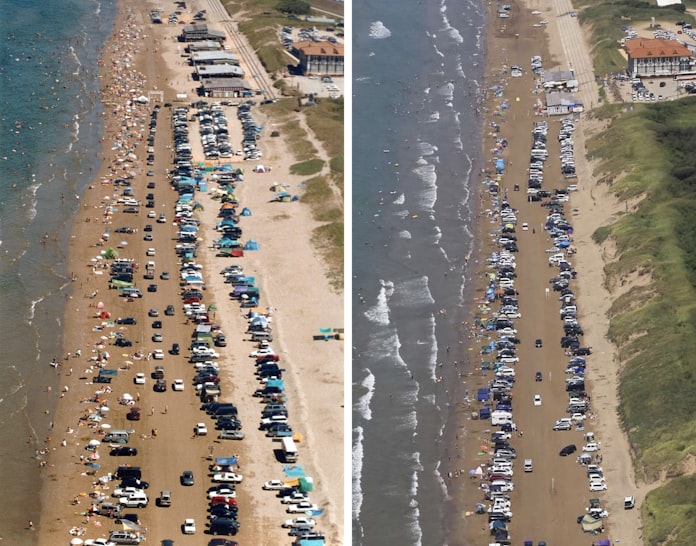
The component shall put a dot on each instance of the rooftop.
(642, 48)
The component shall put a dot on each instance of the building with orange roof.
(652, 57)
(320, 57)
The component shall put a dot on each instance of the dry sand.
(292, 280)
(547, 501)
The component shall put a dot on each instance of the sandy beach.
(547, 501)
(142, 57)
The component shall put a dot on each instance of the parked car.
(273, 485)
(227, 477)
(124, 451)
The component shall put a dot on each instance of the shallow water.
(49, 140)
(417, 71)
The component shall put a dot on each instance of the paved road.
(576, 52)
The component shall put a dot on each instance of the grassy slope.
(654, 323)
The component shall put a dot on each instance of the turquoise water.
(49, 133)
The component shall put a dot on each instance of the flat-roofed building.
(204, 45)
(222, 88)
(195, 33)
(214, 57)
(657, 57)
(320, 57)
(219, 71)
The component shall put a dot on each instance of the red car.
(215, 501)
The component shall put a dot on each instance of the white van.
(501, 417)
(528, 467)
(116, 435)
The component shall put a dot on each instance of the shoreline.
(61, 482)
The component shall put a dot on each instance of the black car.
(175, 349)
(152, 288)
(127, 320)
(538, 376)
(160, 386)
(568, 450)
(222, 542)
(224, 526)
(223, 511)
(150, 204)
(187, 478)
(124, 451)
(157, 324)
(131, 210)
(538, 343)
(124, 230)
(123, 342)
(134, 482)
(169, 311)
(148, 227)
(150, 185)
(228, 423)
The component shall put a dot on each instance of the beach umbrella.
(95, 466)
(100, 305)
(126, 396)
(94, 456)
(93, 442)
(76, 541)
(105, 426)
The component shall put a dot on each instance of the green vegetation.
(307, 168)
(262, 19)
(606, 20)
(295, 7)
(669, 513)
(646, 156)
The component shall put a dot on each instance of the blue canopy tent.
(251, 245)
(246, 212)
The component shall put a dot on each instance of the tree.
(295, 7)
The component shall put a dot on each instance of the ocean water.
(49, 133)
(416, 131)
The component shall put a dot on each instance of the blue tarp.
(251, 245)
(276, 383)
(225, 461)
(293, 471)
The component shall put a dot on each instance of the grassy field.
(605, 21)
(647, 155)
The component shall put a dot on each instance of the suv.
(124, 537)
(169, 311)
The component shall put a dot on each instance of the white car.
(227, 477)
(222, 490)
(139, 379)
(598, 486)
(273, 485)
(99, 542)
(158, 354)
(200, 429)
(178, 385)
(152, 214)
(537, 400)
(301, 521)
(189, 527)
(504, 371)
(127, 492)
(262, 352)
(150, 252)
(592, 446)
(298, 508)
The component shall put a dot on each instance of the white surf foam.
(379, 313)
(362, 404)
(405, 234)
(379, 31)
(357, 465)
